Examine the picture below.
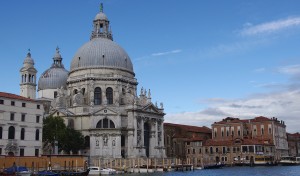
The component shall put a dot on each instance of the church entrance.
(146, 138)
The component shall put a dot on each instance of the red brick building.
(294, 144)
(184, 141)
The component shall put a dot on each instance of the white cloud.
(282, 105)
(269, 27)
(259, 70)
(166, 52)
(290, 69)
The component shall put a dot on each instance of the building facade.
(294, 144)
(185, 141)
(98, 97)
(246, 141)
(20, 125)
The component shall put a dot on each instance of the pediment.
(60, 112)
(105, 111)
(151, 108)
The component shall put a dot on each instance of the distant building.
(185, 141)
(244, 141)
(294, 144)
(20, 125)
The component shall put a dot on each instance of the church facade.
(98, 97)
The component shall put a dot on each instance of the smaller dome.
(28, 59)
(54, 77)
(101, 16)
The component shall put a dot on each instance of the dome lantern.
(101, 26)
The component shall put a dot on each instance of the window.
(215, 134)
(188, 143)
(239, 132)
(38, 106)
(224, 150)
(22, 134)
(217, 150)
(109, 95)
(1, 132)
(97, 96)
(12, 103)
(270, 131)
(12, 116)
(11, 132)
(188, 151)
(21, 152)
(233, 149)
(105, 123)
(262, 131)
(37, 119)
(37, 135)
(55, 94)
(23, 104)
(227, 132)
(211, 150)
(0, 151)
(1, 101)
(36, 152)
(200, 151)
(23, 117)
(222, 133)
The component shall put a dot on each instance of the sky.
(205, 60)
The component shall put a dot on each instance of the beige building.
(20, 125)
(246, 140)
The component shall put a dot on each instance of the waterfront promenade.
(233, 171)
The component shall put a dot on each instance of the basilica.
(98, 96)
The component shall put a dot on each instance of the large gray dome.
(54, 77)
(101, 53)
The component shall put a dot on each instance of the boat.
(17, 170)
(261, 160)
(103, 171)
(289, 161)
(214, 166)
(47, 173)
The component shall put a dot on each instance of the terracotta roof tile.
(15, 97)
(190, 128)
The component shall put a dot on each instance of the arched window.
(22, 78)
(29, 78)
(97, 96)
(22, 134)
(25, 80)
(11, 132)
(33, 78)
(1, 132)
(71, 123)
(105, 123)
(87, 141)
(75, 92)
(109, 95)
(37, 135)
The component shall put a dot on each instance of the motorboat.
(289, 161)
(17, 170)
(103, 171)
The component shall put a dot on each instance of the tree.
(74, 141)
(68, 139)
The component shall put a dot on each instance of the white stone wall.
(29, 144)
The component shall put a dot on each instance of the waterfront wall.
(59, 162)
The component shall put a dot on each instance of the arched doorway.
(147, 138)
(10, 154)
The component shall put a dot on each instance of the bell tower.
(28, 78)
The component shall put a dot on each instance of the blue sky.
(205, 60)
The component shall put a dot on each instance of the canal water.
(232, 171)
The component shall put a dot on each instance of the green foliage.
(68, 139)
